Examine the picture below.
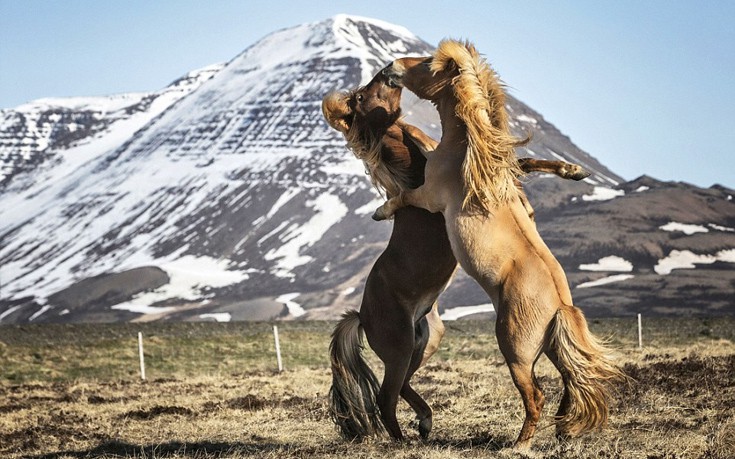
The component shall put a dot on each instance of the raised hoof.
(578, 173)
(379, 215)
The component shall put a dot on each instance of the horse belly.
(478, 250)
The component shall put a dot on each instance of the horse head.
(369, 118)
(373, 107)
(422, 76)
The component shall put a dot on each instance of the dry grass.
(74, 392)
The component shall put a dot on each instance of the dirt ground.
(681, 405)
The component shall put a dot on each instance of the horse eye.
(359, 98)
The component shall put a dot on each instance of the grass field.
(74, 391)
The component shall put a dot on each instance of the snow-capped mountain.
(38, 131)
(228, 196)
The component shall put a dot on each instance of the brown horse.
(471, 179)
(399, 310)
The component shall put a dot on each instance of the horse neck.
(454, 131)
(403, 156)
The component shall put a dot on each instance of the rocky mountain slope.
(233, 200)
(34, 133)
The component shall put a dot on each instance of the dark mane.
(393, 161)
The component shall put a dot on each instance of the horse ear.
(336, 110)
(449, 56)
(451, 67)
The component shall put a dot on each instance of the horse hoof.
(379, 215)
(522, 445)
(578, 174)
(425, 428)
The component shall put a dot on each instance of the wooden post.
(140, 352)
(640, 333)
(278, 349)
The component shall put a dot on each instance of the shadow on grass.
(206, 449)
(178, 449)
(483, 441)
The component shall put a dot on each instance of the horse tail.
(587, 371)
(352, 397)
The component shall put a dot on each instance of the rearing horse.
(399, 310)
(471, 179)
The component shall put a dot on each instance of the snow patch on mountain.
(609, 263)
(294, 308)
(717, 227)
(328, 210)
(686, 259)
(601, 193)
(464, 311)
(684, 228)
(217, 316)
(606, 280)
(190, 278)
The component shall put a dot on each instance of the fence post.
(640, 333)
(278, 349)
(140, 352)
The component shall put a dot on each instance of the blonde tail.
(587, 371)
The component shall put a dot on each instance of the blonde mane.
(490, 166)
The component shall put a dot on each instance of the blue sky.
(647, 87)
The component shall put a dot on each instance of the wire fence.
(112, 351)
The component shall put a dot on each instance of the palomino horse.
(470, 178)
(399, 310)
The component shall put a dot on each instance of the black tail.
(352, 397)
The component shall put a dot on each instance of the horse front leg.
(389, 207)
(425, 143)
(562, 169)
(418, 197)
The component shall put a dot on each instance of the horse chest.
(478, 246)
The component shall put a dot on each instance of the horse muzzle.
(394, 74)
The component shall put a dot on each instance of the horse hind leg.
(424, 416)
(394, 346)
(521, 351)
(533, 400)
(565, 404)
(424, 334)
